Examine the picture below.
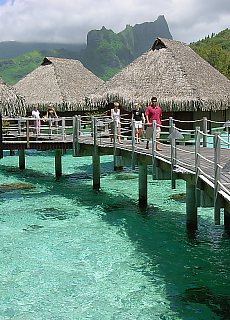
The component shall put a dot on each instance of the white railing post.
(133, 144)
(27, 133)
(170, 124)
(79, 125)
(92, 125)
(115, 134)
(63, 128)
(37, 127)
(173, 159)
(76, 146)
(217, 170)
(56, 124)
(19, 126)
(205, 131)
(154, 126)
(96, 156)
(95, 133)
(197, 164)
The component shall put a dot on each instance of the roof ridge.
(56, 73)
(180, 64)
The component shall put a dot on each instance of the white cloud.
(69, 21)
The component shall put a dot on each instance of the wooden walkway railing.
(203, 153)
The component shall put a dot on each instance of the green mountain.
(105, 54)
(12, 70)
(13, 49)
(216, 50)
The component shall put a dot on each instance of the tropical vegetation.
(215, 49)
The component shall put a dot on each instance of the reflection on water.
(219, 304)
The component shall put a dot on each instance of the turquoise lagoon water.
(70, 252)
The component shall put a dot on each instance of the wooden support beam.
(118, 163)
(191, 208)
(76, 134)
(217, 176)
(227, 218)
(143, 190)
(58, 163)
(22, 159)
(96, 157)
(96, 171)
(205, 200)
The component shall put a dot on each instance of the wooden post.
(117, 158)
(205, 131)
(133, 145)
(76, 133)
(191, 208)
(22, 160)
(115, 135)
(226, 218)
(63, 128)
(95, 145)
(96, 172)
(96, 158)
(154, 126)
(58, 163)
(205, 200)
(217, 200)
(173, 162)
(197, 164)
(143, 184)
(170, 124)
(28, 133)
(1, 141)
(79, 125)
(19, 126)
(37, 128)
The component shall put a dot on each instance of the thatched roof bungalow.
(11, 104)
(174, 73)
(62, 82)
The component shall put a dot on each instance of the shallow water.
(70, 252)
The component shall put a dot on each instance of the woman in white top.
(37, 121)
(116, 117)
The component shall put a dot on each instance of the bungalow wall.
(191, 118)
(214, 116)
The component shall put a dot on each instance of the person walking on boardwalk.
(51, 115)
(138, 118)
(37, 121)
(116, 118)
(153, 112)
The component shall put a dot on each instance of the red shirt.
(154, 114)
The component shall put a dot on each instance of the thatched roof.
(175, 74)
(10, 103)
(62, 82)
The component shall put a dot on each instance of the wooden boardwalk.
(185, 154)
(205, 169)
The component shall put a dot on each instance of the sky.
(68, 21)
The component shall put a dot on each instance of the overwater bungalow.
(11, 104)
(187, 87)
(63, 82)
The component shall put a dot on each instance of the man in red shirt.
(153, 112)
